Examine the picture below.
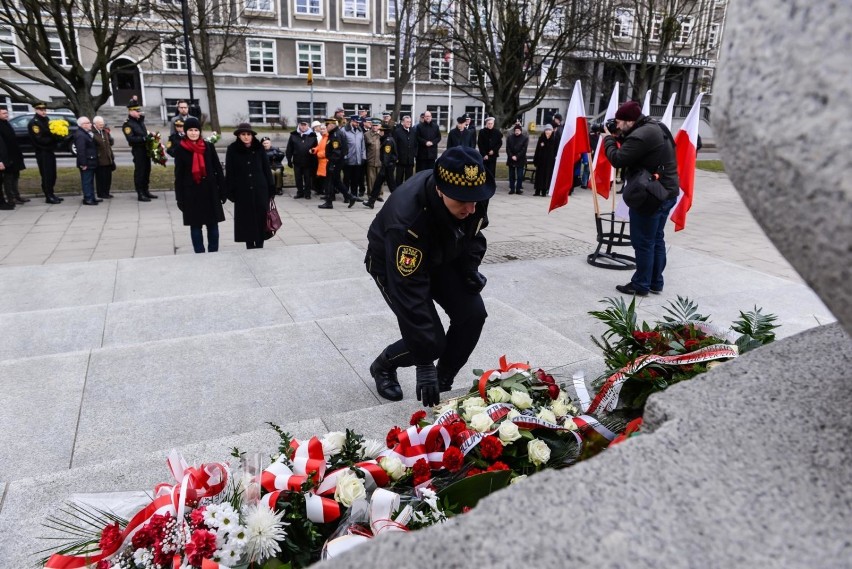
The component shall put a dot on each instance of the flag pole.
(595, 194)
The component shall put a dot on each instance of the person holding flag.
(643, 143)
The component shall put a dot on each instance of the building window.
(263, 111)
(392, 10)
(544, 115)
(556, 24)
(622, 26)
(174, 57)
(353, 108)
(171, 105)
(403, 110)
(440, 14)
(261, 56)
(259, 5)
(546, 65)
(303, 109)
(354, 8)
(656, 27)
(309, 55)
(309, 7)
(713, 36)
(355, 61)
(440, 114)
(8, 51)
(391, 64)
(476, 114)
(684, 29)
(57, 51)
(439, 65)
(472, 74)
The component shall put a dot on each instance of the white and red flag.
(602, 170)
(667, 115)
(574, 142)
(686, 151)
(646, 104)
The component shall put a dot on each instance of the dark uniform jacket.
(336, 148)
(517, 146)
(135, 132)
(13, 158)
(200, 203)
(428, 132)
(87, 151)
(412, 235)
(646, 146)
(490, 139)
(463, 137)
(173, 142)
(39, 131)
(387, 151)
(406, 145)
(299, 146)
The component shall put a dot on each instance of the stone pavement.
(719, 225)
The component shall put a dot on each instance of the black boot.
(151, 196)
(142, 197)
(52, 199)
(368, 203)
(384, 373)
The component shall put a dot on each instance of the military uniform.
(44, 144)
(420, 253)
(388, 156)
(136, 134)
(335, 152)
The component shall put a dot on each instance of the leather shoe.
(99, 200)
(656, 291)
(20, 200)
(519, 192)
(90, 202)
(387, 383)
(107, 197)
(352, 201)
(60, 199)
(366, 203)
(143, 198)
(379, 199)
(52, 200)
(6, 206)
(152, 196)
(630, 289)
(325, 205)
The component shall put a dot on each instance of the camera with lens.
(612, 126)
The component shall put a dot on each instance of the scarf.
(199, 168)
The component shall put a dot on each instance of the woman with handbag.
(250, 186)
(199, 186)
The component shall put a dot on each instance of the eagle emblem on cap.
(471, 172)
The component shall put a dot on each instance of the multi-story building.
(347, 45)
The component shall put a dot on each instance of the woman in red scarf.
(199, 186)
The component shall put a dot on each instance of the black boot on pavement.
(384, 373)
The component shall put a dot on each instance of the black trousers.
(304, 180)
(141, 169)
(353, 177)
(46, 161)
(386, 174)
(333, 183)
(467, 317)
(403, 172)
(103, 180)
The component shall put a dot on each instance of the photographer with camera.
(643, 144)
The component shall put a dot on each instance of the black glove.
(427, 385)
(289, 164)
(475, 281)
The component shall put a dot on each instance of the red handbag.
(273, 220)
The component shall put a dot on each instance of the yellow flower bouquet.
(58, 128)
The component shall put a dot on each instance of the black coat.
(489, 139)
(517, 146)
(428, 132)
(406, 145)
(200, 203)
(250, 186)
(39, 131)
(463, 137)
(13, 157)
(299, 147)
(646, 146)
(544, 160)
(87, 150)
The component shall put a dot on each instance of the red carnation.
(490, 447)
(453, 459)
(110, 538)
(393, 437)
(473, 472)
(690, 344)
(544, 377)
(143, 538)
(553, 391)
(421, 471)
(103, 564)
(197, 517)
(417, 417)
(202, 546)
(498, 466)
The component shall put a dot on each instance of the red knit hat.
(629, 111)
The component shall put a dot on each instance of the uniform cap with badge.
(40, 105)
(461, 175)
(331, 121)
(133, 105)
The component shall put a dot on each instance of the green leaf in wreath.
(468, 491)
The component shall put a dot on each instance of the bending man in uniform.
(425, 246)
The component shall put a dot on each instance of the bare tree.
(663, 34)
(50, 33)
(216, 33)
(502, 47)
(410, 44)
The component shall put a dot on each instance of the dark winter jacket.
(517, 146)
(299, 146)
(428, 132)
(135, 132)
(13, 157)
(406, 145)
(250, 186)
(39, 131)
(645, 146)
(489, 139)
(544, 160)
(87, 151)
(463, 137)
(201, 203)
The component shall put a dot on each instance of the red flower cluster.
(645, 336)
(422, 472)
(691, 344)
(490, 448)
(197, 517)
(103, 564)
(201, 547)
(151, 532)
(110, 538)
(453, 459)
(456, 430)
(498, 466)
(473, 472)
(417, 417)
(393, 437)
(547, 379)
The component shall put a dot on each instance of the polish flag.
(667, 115)
(602, 170)
(686, 150)
(646, 104)
(574, 142)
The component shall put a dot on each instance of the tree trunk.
(211, 100)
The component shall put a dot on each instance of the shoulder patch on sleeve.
(127, 130)
(408, 259)
(387, 148)
(335, 144)
(36, 129)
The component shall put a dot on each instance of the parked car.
(19, 123)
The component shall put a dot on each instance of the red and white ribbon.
(505, 370)
(415, 443)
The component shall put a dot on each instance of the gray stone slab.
(690, 492)
(157, 277)
(160, 319)
(41, 288)
(38, 417)
(192, 389)
(28, 502)
(351, 296)
(44, 332)
(306, 263)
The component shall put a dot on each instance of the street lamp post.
(184, 5)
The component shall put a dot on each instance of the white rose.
(538, 451)
(480, 422)
(450, 406)
(472, 412)
(517, 479)
(473, 402)
(546, 415)
(521, 400)
(372, 447)
(332, 443)
(559, 407)
(513, 413)
(349, 488)
(570, 424)
(508, 432)
(393, 466)
(498, 395)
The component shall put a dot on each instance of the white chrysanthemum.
(228, 556)
(211, 516)
(237, 538)
(228, 518)
(264, 529)
(332, 443)
(372, 447)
